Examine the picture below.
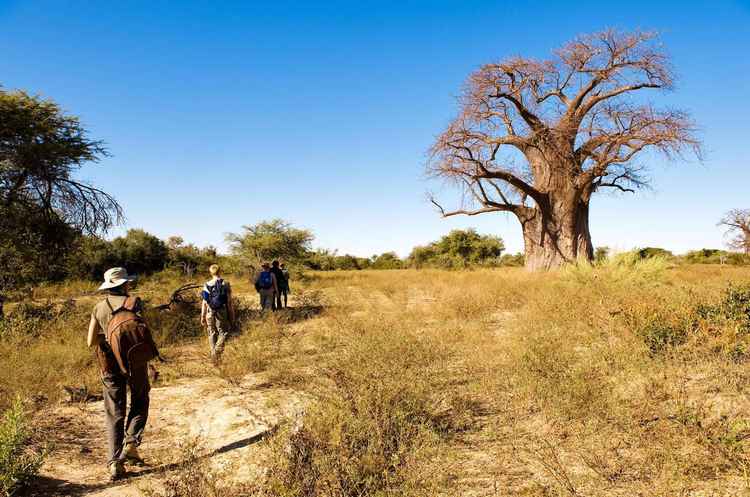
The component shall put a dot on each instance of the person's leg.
(277, 300)
(115, 398)
(139, 403)
(266, 300)
(221, 326)
(286, 294)
(212, 332)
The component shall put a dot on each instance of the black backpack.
(217, 295)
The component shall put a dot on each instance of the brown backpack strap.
(106, 299)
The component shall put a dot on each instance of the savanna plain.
(626, 378)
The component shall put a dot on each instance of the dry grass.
(611, 381)
(620, 380)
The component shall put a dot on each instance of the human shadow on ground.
(55, 487)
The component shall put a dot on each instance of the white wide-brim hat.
(115, 277)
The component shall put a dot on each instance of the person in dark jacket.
(281, 283)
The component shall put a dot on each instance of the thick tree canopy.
(43, 209)
(538, 138)
(267, 240)
(459, 248)
(40, 149)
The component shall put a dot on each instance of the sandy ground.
(224, 423)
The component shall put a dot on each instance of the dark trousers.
(121, 431)
(277, 302)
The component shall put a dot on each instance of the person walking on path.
(217, 311)
(123, 437)
(267, 287)
(285, 287)
(280, 283)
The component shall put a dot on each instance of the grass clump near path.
(18, 461)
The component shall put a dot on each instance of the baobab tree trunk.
(556, 233)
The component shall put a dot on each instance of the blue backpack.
(265, 281)
(217, 295)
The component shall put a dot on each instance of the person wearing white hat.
(124, 438)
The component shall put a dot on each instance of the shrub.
(458, 249)
(627, 267)
(716, 256)
(601, 254)
(387, 260)
(736, 306)
(651, 252)
(385, 402)
(512, 260)
(18, 462)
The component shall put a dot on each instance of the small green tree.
(601, 254)
(651, 252)
(268, 240)
(457, 249)
(387, 260)
(140, 252)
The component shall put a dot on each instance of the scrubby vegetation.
(622, 378)
(459, 249)
(18, 462)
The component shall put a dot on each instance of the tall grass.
(627, 378)
(18, 462)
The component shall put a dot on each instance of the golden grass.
(618, 380)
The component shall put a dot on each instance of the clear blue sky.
(220, 114)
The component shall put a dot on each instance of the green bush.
(734, 306)
(18, 462)
(512, 260)
(660, 336)
(387, 260)
(716, 256)
(458, 249)
(651, 252)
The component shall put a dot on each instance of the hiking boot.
(116, 470)
(130, 454)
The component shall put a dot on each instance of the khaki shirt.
(103, 314)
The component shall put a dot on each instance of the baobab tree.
(737, 222)
(538, 138)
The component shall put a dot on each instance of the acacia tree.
(737, 222)
(43, 207)
(538, 138)
(40, 149)
(267, 240)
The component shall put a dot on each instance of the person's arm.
(230, 305)
(204, 309)
(94, 338)
(275, 283)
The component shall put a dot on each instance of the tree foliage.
(459, 248)
(41, 148)
(43, 207)
(268, 240)
(138, 251)
(329, 260)
(386, 260)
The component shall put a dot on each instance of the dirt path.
(223, 423)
